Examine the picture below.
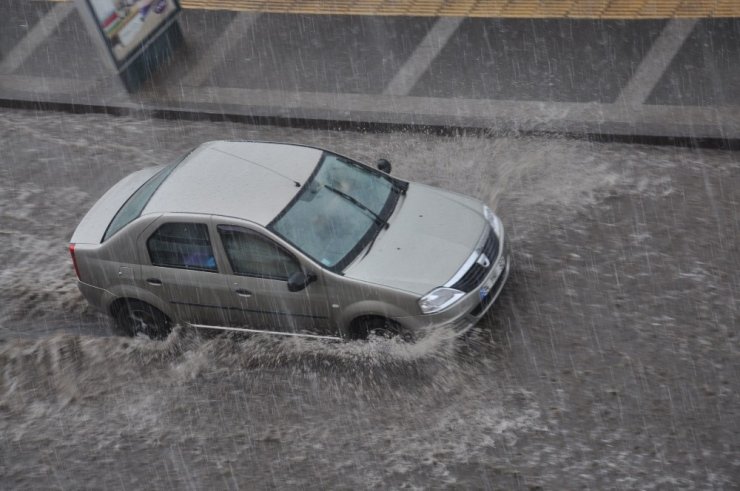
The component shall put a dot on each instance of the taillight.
(74, 260)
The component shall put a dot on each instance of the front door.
(260, 269)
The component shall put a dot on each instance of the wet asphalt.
(609, 362)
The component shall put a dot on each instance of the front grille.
(474, 276)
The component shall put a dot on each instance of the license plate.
(497, 269)
(483, 293)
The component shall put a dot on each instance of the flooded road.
(610, 361)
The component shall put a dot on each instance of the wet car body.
(287, 239)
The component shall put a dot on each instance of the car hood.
(431, 234)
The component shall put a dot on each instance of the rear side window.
(182, 245)
(132, 208)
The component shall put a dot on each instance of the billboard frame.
(141, 61)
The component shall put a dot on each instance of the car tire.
(365, 327)
(133, 317)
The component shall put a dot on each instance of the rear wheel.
(133, 317)
(382, 327)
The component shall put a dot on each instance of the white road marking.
(423, 55)
(43, 28)
(655, 63)
(220, 49)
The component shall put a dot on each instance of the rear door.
(258, 271)
(178, 264)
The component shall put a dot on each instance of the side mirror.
(300, 280)
(383, 165)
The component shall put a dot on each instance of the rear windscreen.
(132, 208)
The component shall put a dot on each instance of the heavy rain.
(606, 142)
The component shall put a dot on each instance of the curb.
(329, 123)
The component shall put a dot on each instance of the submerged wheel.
(382, 327)
(133, 317)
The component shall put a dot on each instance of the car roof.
(249, 180)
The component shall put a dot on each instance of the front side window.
(182, 245)
(340, 208)
(251, 254)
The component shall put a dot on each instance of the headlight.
(496, 224)
(439, 299)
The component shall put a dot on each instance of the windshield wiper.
(376, 217)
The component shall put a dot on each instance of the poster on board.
(127, 24)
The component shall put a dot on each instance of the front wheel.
(134, 317)
(381, 327)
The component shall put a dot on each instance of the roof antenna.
(297, 184)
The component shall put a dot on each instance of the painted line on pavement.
(220, 49)
(656, 62)
(37, 35)
(423, 56)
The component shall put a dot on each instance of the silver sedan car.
(287, 239)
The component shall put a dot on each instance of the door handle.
(243, 293)
(154, 281)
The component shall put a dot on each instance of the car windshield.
(338, 212)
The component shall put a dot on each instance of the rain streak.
(605, 140)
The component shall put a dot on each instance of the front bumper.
(464, 314)
(465, 322)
